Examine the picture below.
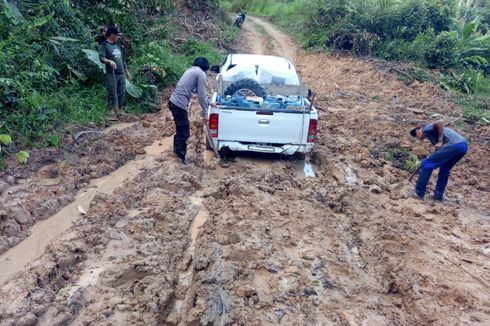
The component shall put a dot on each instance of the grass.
(475, 109)
(75, 103)
(476, 105)
(82, 105)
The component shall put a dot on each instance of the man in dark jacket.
(193, 81)
(110, 53)
(450, 148)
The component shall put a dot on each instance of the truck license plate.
(261, 148)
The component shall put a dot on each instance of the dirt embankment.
(347, 247)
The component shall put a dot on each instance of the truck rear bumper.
(284, 149)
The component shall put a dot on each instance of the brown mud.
(254, 242)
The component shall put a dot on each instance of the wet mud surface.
(255, 242)
(54, 177)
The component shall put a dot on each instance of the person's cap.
(413, 132)
(113, 30)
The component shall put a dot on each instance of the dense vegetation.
(49, 77)
(451, 37)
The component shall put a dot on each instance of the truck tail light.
(213, 125)
(312, 131)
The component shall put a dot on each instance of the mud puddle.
(116, 249)
(265, 162)
(43, 232)
(302, 168)
(198, 221)
(308, 169)
(187, 274)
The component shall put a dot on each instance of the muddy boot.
(446, 200)
(413, 194)
(119, 113)
(112, 116)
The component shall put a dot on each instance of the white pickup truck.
(262, 106)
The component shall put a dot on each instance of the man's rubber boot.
(119, 113)
(112, 116)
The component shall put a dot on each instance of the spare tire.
(246, 87)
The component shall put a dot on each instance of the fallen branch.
(416, 111)
(191, 30)
(151, 31)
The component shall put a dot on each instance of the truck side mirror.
(215, 69)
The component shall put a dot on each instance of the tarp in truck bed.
(264, 69)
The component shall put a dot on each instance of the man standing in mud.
(193, 81)
(110, 53)
(451, 147)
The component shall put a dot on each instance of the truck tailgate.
(263, 127)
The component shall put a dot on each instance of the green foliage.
(442, 51)
(229, 34)
(5, 142)
(412, 163)
(93, 56)
(452, 36)
(476, 109)
(50, 74)
(401, 158)
(22, 157)
(5, 139)
(53, 140)
(432, 32)
(133, 90)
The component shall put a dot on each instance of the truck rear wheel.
(299, 156)
(227, 154)
(246, 87)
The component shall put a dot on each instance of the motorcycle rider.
(239, 19)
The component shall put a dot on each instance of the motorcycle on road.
(239, 19)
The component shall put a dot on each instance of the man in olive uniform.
(110, 53)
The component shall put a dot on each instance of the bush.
(362, 43)
(441, 53)
(448, 35)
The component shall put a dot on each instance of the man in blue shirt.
(450, 148)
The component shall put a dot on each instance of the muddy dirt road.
(255, 242)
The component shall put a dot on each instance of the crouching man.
(451, 147)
